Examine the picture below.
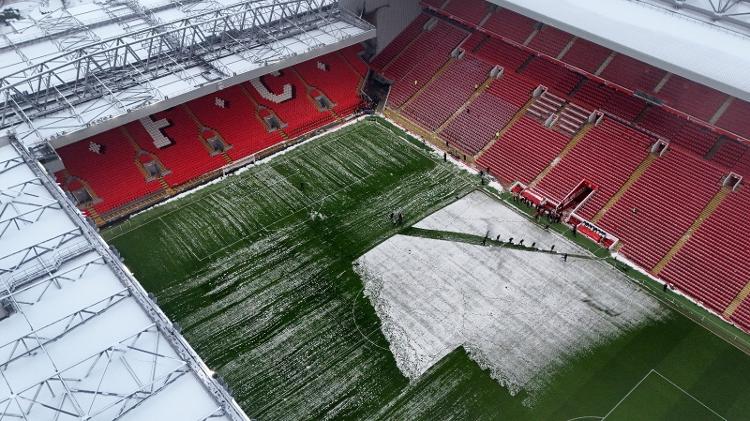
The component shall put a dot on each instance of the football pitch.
(259, 271)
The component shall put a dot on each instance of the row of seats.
(478, 124)
(675, 91)
(448, 92)
(429, 50)
(669, 193)
(416, 69)
(657, 210)
(113, 175)
(715, 264)
(402, 40)
(524, 151)
(606, 156)
(234, 115)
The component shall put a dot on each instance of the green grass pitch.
(257, 269)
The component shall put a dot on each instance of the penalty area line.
(688, 394)
(630, 392)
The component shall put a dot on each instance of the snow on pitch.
(519, 314)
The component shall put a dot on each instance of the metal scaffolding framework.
(732, 14)
(135, 352)
(93, 79)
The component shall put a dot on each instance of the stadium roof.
(72, 72)
(79, 337)
(703, 40)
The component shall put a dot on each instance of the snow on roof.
(681, 43)
(102, 64)
(79, 337)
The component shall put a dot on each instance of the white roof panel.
(687, 46)
(79, 338)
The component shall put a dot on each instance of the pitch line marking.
(653, 371)
(628, 394)
(687, 393)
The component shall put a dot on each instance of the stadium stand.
(550, 41)
(429, 51)
(448, 92)
(353, 57)
(606, 156)
(187, 158)
(399, 44)
(477, 125)
(331, 74)
(735, 118)
(713, 266)
(419, 70)
(661, 122)
(696, 138)
(468, 11)
(662, 204)
(653, 202)
(559, 79)
(239, 122)
(112, 174)
(207, 133)
(692, 98)
(631, 73)
(586, 55)
(511, 25)
(523, 152)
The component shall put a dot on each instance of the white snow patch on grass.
(521, 315)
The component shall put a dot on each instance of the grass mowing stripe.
(273, 292)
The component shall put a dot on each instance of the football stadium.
(384, 209)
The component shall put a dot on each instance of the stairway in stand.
(501, 133)
(645, 165)
(482, 88)
(738, 300)
(582, 131)
(705, 214)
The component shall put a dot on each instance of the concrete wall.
(389, 16)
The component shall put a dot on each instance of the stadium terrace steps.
(520, 113)
(606, 155)
(477, 92)
(523, 151)
(741, 316)
(580, 134)
(714, 265)
(447, 92)
(429, 51)
(471, 12)
(722, 109)
(472, 131)
(735, 118)
(704, 215)
(559, 80)
(693, 98)
(400, 44)
(117, 178)
(508, 24)
(738, 300)
(424, 86)
(423, 66)
(550, 41)
(662, 205)
(93, 214)
(634, 177)
(633, 74)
